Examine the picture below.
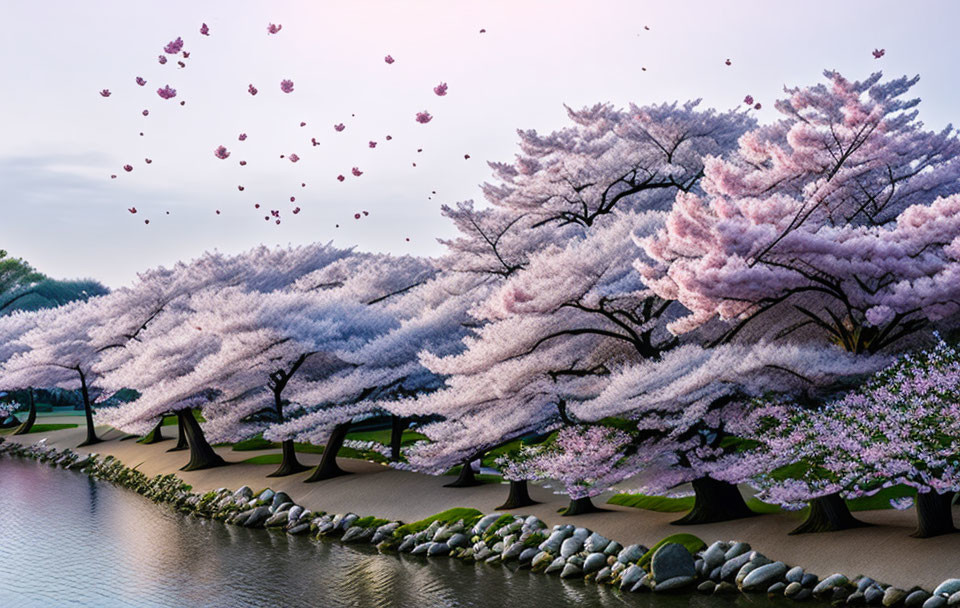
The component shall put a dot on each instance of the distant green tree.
(17, 280)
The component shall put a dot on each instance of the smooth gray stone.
(935, 601)
(794, 575)
(485, 522)
(613, 548)
(804, 594)
(776, 588)
(279, 498)
(672, 560)
(605, 574)
(948, 587)
(257, 517)
(873, 595)
(526, 556)
(552, 544)
(556, 565)
(571, 571)
(512, 551)
(893, 596)
(764, 576)
(706, 587)
(438, 549)
(356, 534)
(672, 584)
(581, 533)
(594, 562)
(809, 580)
(294, 513)
(570, 546)
(631, 553)
(596, 543)
(459, 540)
(735, 550)
(733, 565)
(834, 580)
(864, 582)
(715, 574)
(916, 598)
(954, 599)
(792, 589)
(300, 528)
(631, 575)
(725, 588)
(855, 599)
(714, 555)
(266, 495)
(421, 548)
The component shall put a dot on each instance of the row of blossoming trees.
(654, 296)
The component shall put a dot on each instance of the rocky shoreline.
(524, 542)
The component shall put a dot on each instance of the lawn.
(42, 428)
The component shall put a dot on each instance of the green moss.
(370, 522)
(691, 542)
(498, 523)
(758, 506)
(383, 436)
(469, 517)
(881, 500)
(264, 459)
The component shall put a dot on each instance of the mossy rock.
(469, 517)
(691, 542)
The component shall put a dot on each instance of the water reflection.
(125, 551)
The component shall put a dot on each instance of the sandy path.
(885, 552)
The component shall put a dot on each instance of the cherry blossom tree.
(58, 351)
(838, 221)
(901, 427)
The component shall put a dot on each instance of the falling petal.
(356, 172)
(256, 205)
(132, 209)
(218, 212)
(365, 213)
(146, 112)
(466, 156)
(174, 46)
(482, 31)
(727, 62)
(303, 124)
(372, 144)
(273, 29)
(221, 152)
(748, 100)
(440, 89)
(166, 92)
(424, 117)
(339, 127)
(146, 221)
(388, 137)
(105, 93)
(204, 30)
(186, 55)
(757, 107)
(340, 178)
(296, 210)
(356, 216)
(181, 64)
(388, 59)
(243, 137)
(292, 199)
(183, 103)
(162, 59)
(252, 90)
(128, 168)
(243, 163)
(294, 158)
(147, 160)
(240, 188)
(286, 86)
(113, 176)
(878, 53)
(141, 81)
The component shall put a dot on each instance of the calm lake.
(66, 540)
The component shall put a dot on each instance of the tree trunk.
(328, 468)
(519, 496)
(202, 455)
(24, 428)
(155, 436)
(88, 412)
(466, 478)
(580, 506)
(182, 443)
(289, 465)
(828, 514)
(715, 501)
(396, 437)
(934, 514)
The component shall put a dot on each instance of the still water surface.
(66, 540)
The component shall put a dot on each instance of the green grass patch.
(660, 504)
(383, 436)
(43, 428)
(691, 542)
(469, 517)
(881, 500)
(264, 459)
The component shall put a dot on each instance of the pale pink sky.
(61, 140)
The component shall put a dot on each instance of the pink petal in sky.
(389, 59)
(105, 93)
(273, 29)
(204, 30)
(286, 86)
(424, 117)
(252, 90)
(162, 59)
(293, 158)
(339, 127)
(440, 89)
(356, 172)
(221, 152)
(243, 137)
(141, 81)
(166, 92)
(174, 46)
